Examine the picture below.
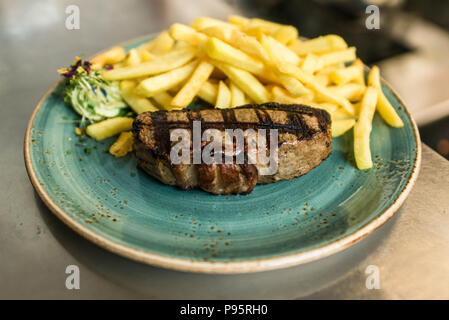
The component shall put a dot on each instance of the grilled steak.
(304, 141)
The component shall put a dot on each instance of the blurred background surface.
(411, 48)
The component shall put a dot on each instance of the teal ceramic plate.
(117, 206)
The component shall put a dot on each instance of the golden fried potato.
(109, 128)
(137, 103)
(245, 81)
(163, 82)
(111, 56)
(193, 85)
(223, 96)
(208, 92)
(185, 33)
(122, 145)
(362, 129)
(168, 61)
(384, 107)
(321, 44)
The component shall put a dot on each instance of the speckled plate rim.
(246, 266)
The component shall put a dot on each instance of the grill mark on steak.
(290, 128)
(299, 122)
(304, 141)
(259, 116)
(162, 132)
(232, 117)
(226, 116)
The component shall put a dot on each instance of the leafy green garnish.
(93, 97)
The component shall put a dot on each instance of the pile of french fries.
(242, 61)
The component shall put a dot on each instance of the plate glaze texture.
(117, 206)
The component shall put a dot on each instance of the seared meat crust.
(304, 141)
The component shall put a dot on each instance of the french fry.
(147, 46)
(248, 100)
(321, 44)
(133, 58)
(322, 79)
(238, 20)
(292, 85)
(122, 145)
(340, 127)
(248, 44)
(309, 80)
(329, 107)
(282, 33)
(329, 96)
(362, 129)
(109, 128)
(206, 22)
(246, 61)
(288, 100)
(112, 56)
(338, 65)
(295, 46)
(217, 74)
(137, 103)
(174, 90)
(323, 75)
(223, 96)
(383, 106)
(168, 61)
(201, 51)
(193, 85)
(311, 63)
(387, 112)
(350, 91)
(268, 77)
(280, 95)
(326, 70)
(185, 33)
(339, 114)
(331, 58)
(163, 99)
(145, 55)
(163, 43)
(285, 34)
(342, 76)
(151, 86)
(208, 92)
(238, 39)
(237, 95)
(269, 26)
(361, 77)
(255, 31)
(270, 87)
(179, 44)
(245, 81)
(221, 51)
(278, 51)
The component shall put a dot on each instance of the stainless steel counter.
(411, 250)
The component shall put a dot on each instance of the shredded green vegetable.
(93, 97)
